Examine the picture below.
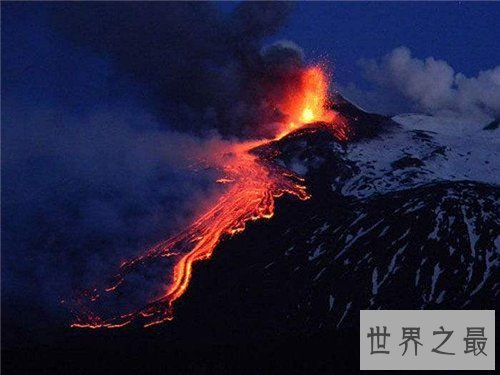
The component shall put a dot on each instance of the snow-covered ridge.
(422, 149)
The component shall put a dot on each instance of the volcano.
(403, 215)
(399, 213)
(256, 179)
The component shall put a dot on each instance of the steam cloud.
(430, 85)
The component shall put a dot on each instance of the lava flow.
(252, 183)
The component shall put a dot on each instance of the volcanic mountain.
(404, 215)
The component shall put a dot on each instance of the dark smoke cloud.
(200, 69)
(81, 194)
(91, 177)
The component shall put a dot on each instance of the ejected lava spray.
(252, 185)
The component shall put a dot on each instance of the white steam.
(430, 85)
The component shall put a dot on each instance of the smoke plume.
(98, 163)
(429, 85)
(199, 69)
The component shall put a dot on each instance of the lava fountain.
(252, 185)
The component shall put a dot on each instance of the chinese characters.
(475, 340)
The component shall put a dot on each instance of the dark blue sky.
(463, 34)
(40, 67)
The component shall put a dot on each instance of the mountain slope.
(403, 216)
(396, 221)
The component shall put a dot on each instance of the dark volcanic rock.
(316, 264)
(492, 125)
(412, 240)
(392, 224)
(363, 124)
(406, 162)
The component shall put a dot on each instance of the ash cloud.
(100, 134)
(199, 68)
(429, 85)
(81, 194)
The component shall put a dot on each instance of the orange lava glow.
(252, 185)
(308, 103)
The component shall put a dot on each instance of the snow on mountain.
(422, 149)
(406, 215)
(434, 246)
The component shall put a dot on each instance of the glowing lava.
(252, 182)
(308, 102)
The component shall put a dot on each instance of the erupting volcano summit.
(253, 184)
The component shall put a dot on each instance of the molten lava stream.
(253, 184)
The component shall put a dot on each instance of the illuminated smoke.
(253, 184)
(88, 189)
(198, 69)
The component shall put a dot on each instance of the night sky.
(97, 117)
(40, 67)
(463, 34)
